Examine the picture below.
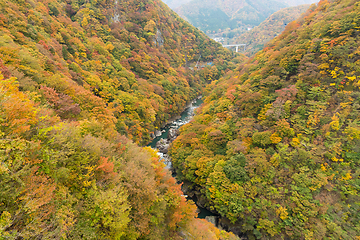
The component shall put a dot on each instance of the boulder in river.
(158, 133)
(173, 133)
(212, 219)
(163, 145)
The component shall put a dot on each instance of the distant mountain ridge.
(297, 2)
(256, 38)
(214, 16)
(228, 17)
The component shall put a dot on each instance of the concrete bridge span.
(235, 45)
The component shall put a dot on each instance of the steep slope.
(74, 77)
(61, 180)
(213, 16)
(123, 63)
(256, 38)
(276, 148)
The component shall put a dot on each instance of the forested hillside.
(121, 63)
(231, 18)
(213, 16)
(79, 81)
(276, 147)
(256, 38)
(70, 180)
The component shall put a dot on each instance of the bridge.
(236, 45)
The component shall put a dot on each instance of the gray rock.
(173, 133)
(158, 39)
(164, 149)
(157, 133)
(212, 219)
(163, 145)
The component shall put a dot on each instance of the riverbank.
(176, 121)
(212, 216)
(162, 142)
(170, 131)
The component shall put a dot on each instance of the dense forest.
(83, 83)
(60, 180)
(256, 38)
(275, 149)
(121, 64)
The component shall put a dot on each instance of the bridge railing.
(236, 45)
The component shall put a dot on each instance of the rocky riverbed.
(163, 137)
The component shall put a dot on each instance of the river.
(185, 117)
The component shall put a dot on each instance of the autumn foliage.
(61, 182)
(275, 148)
(124, 63)
(80, 82)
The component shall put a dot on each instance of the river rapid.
(185, 117)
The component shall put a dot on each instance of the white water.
(185, 117)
